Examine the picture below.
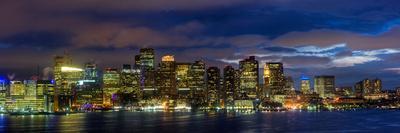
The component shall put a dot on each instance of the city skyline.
(48, 73)
(348, 39)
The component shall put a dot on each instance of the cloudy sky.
(350, 39)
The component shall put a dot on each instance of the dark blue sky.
(351, 39)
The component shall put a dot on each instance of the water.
(349, 121)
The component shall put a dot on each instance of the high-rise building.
(66, 78)
(111, 85)
(289, 86)
(89, 91)
(182, 80)
(325, 86)
(213, 87)
(229, 86)
(249, 80)
(45, 91)
(367, 87)
(17, 90)
(3, 94)
(30, 89)
(70, 77)
(147, 58)
(166, 80)
(197, 76)
(305, 85)
(137, 61)
(274, 79)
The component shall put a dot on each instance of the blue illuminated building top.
(304, 78)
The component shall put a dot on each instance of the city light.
(71, 69)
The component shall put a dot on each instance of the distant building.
(344, 91)
(17, 90)
(213, 86)
(368, 87)
(166, 80)
(30, 89)
(182, 80)
(249, 80)
(229, 86)
(197, 83)
(274, 79)
(89, 90)
(147, 58)
(289, 86)
(325, 86)
(111, 85)
(66, 77)
(305, 87)
(46, 91)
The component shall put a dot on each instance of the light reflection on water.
(352, 121)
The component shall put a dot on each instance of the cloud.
(352, 61)
(396, 70)
(354, 41)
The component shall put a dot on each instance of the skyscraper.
(274, 78)
(70, 77)
(248, 78)
(325, 86)
(182, 80)
(45, 90)
(305, 85)
(147, 58)
(137, 61)
(166, 80)
(213, 87)
(229, 86)
(89, 90)
(367, 87)
(30, 89)
(111, 85)
(197, 83)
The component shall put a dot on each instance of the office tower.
(289, 86)
(148, 84)
(137, 61)
(45, 91)
(213, 87)
(88, 91)
(111, 85)
(229, 86)
(274, 78)
(3, 84)
(325, 86)
(305, 85)
(145, 62)
(70, 77)
(59, 62)
(3, 94)
(130, 91)
(248, 78)
(66, 78)
(377, 86)
(91, 72)
(30, 89)
(17, 90)
(23, 97)
(367, 87)
(130, 79)
(147, 58)
(166, 80)
(182, 80)
(197, 83)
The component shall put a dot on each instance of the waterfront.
(291, 121)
